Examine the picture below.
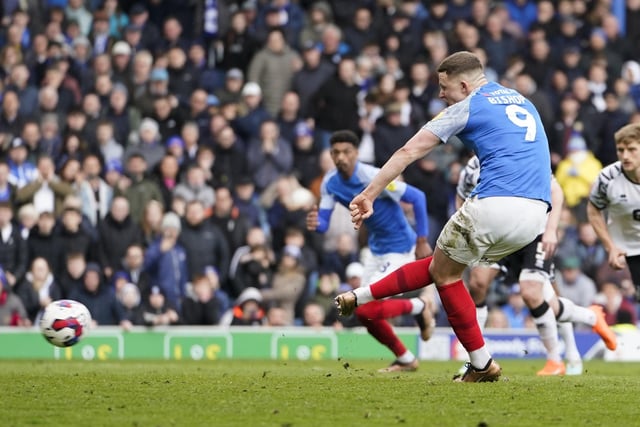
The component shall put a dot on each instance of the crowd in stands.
(158, 158)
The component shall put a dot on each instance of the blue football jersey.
(388, 228)
(504, 129)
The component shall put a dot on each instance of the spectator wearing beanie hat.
(150, 145)
(139, 16)
(247, 125)
(577, 172)
(158, 86)
(166, 261)
(136, 186)
(230, 92)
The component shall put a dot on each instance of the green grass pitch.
(324, 393)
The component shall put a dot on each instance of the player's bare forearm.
(549, 243)
(597, 221)
(616, 255)
(550, 235)
(390, 171)
(557, 200)
(417, 147)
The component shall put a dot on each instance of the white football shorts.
(378, 266)
(486, 230)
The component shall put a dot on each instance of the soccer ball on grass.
(65, 322)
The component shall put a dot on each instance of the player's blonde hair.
(628, 134)
(460, 63)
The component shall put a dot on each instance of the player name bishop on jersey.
(506, 99)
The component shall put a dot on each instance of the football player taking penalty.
(506, 211)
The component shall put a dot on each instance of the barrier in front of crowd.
(214, 343)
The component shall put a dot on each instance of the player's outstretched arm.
(596, 219)
(417, 147)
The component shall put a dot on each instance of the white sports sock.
(406, 357)
(571, 353)
(575, 313)
(482, 314)
(417, 305)
(363, 295)
(480, 358)
(547, 328)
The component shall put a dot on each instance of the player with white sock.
(534, 268)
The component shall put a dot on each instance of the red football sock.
(384, 309)
(461, 312)
(381, 330)
(409, 277)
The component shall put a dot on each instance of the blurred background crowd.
(159, 157)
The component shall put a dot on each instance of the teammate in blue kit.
(392, 242)
(506, 210)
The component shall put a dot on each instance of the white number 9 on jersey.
(522, 118)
